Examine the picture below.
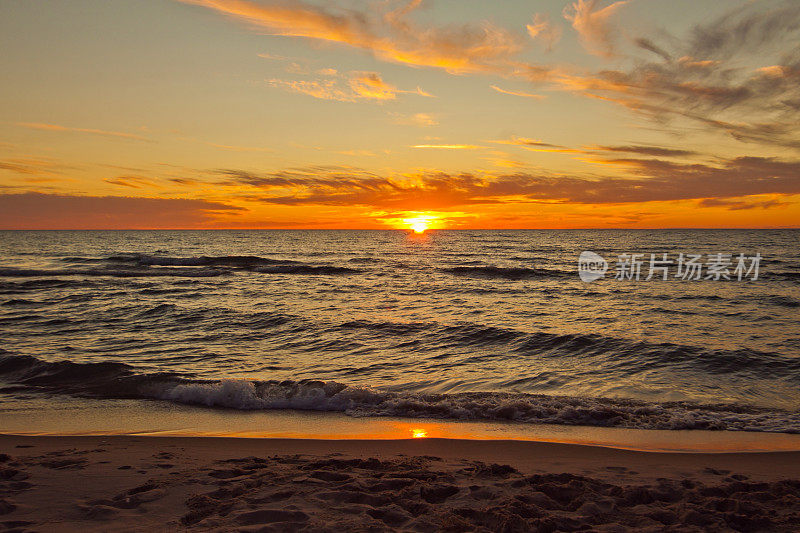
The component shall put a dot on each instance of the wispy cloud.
(593, 25)
(449, 146)
(422, 120)
(542, 29)
(32, 166)
(656, 151)
(134, 182)
(388, 34)
(712, 84)
(710, 78)
(524, 141)
(351, 87)
(648, 180)
(518, 93)
(743, 203)
(91, 131)
(234, 148)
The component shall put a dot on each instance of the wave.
(509, 273)
(119, 380)
(306, 269)
(116, 273)
(18, 302)
(239, 261)
(144, 265)
(783, 275)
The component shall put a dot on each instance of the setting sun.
(419, 224)
(419, 227)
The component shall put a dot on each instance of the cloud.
(524, 141)
(535, 145)
(324, 89)
(714, 83)
(647, 44)
(449, 146)
(656, 151)
(352, 87)
(738, 75)
(742, 204)
(518, 93)
(135, 182)
(389, 35)
(648, 180)
(56, 127)
(370, 85)
(33, 210)
(356, 153)
(422, 120)
(593, 26)
(32, 166)
(234, 148)
(503, 160)
(543, 30)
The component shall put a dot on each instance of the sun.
(419, 224)
(419, 227)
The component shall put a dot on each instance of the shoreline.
(77, 417)
(132, 483)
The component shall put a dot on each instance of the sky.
(373, 114)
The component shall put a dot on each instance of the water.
(465, 325)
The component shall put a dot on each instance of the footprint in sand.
(269, 516)
(65, 464)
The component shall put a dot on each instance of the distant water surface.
(478, 325)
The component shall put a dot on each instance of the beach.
(400, 265)
(133, 483)
(372, 381)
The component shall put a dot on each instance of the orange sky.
(388, 113)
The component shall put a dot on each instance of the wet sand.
(126, 483)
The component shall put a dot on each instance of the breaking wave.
(119, 380)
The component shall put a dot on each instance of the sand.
(123, 483)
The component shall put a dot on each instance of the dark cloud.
(34, 210)
(750, 27)
(739, 75)
(135, 182)
(738, 205)
(32, 167)
(655, 151)
(649, 180)
(647, 44)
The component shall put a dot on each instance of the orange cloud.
(593, 26)
(645, 180)
(346, 88)
(29, 166)
(135, 182)
(392, 37)
(56, 127)
(542, 29)
(449, 146)
(518, 93)
(417, 119)
(233, 148)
